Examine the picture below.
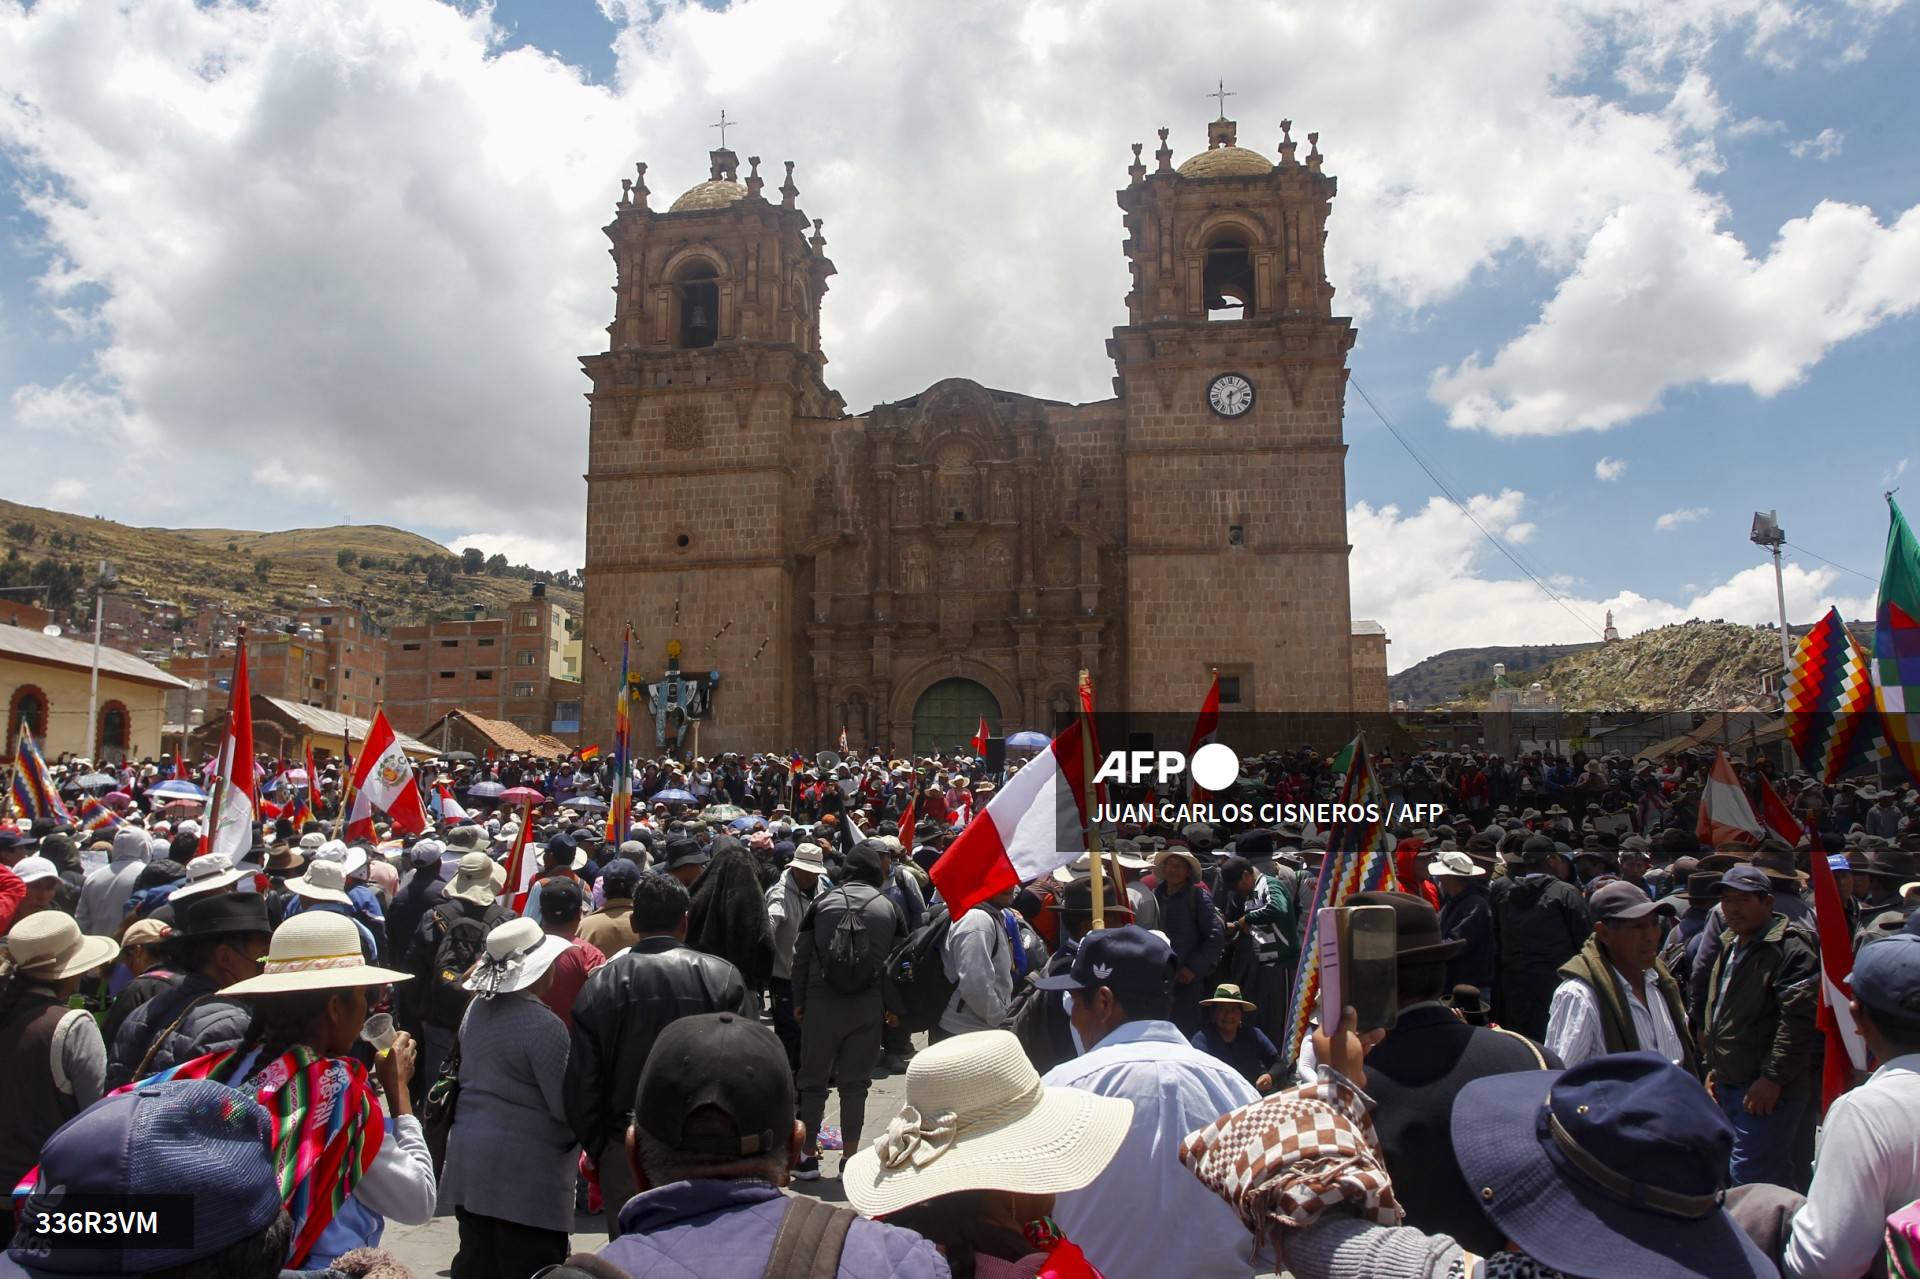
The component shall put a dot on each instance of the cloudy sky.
(1624, 270)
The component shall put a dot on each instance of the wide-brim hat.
(48, 946)
(809, 856)
(1534, 1191)
(1165, 855)
(1227, 995)
(1890, 863)
(325, 881)
(207, 873)
(1455, 864)
(518, 954)
(1416, 926)
(473, 882)
(284, 857)
(977, 1117)
(315, 950)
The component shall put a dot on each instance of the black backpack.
(847, 961)
(459, 939)
(915, 984)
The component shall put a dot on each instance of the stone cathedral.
(966, 551)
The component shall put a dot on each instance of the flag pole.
(220, 774)
(1096, 883)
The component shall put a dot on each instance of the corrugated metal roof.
(30, 645)
(336, 724)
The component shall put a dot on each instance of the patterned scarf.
(327, 1129)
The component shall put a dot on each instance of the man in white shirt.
(1615, 995)
(1869, 1165)
(1120, 996)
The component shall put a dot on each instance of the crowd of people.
(1608, 1056)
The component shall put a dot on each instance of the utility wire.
(1446, 491)
(1824, 560)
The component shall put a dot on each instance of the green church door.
(948, 714)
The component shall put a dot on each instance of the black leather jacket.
(620, 1012)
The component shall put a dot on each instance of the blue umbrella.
(752, 821)
(1028, 740)
(177, 789)
(673, 795)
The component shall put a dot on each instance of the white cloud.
(1823, 145)
(1424, 575)
(1685, 515)
(556, 554)
(63, 493)
(357, 241)
(1609, 469)
(1892, 474)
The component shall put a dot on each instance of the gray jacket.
(884, 928)
(212, 1024)
(103, 898)
(785, 905)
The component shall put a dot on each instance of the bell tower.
(1231, 371)
(713, 353)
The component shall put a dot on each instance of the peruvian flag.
(230, 825)
(907, 820)
(384, 779)
(1033, 825)
(520, 867)
(1726, 815)
(979, 742)
(445, 806)
(1778, 818)
(1846, 1050)
(1205, 729)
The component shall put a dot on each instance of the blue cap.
(206, 1141)
(1837, 862)
(1886, 975)
(1747, 879)
(1125, 959)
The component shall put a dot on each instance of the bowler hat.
(1416, 926)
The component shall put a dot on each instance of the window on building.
(1230, 690)
(698, 299)
(483, 674)
(446, 674)
(485, 641)
(326, 621)
(376, 681)
(528, 618)
(1228, 281)
(523, 689)
(525, 659)
(346, 674)
(453, 643)
(351, 625)
(319, 683)
(410, 648)
(522, 722)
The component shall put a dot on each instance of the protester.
(1615, 995)
(51, 1056)
(686, 861)
(1869, 1164)
(978, 959)
(195, 1139)
(843, 943)
(1540, 922)
(511, 1113)
(422, 890)
(979, 1151)
(712, 1144)
(1758, 1040)
(103, 899)
(1227, 1034)
(1700, 891)
(445, 945)
(622, 1010)
(344, 1169)
(610, 928)
(787, 902)
(1039, 1017)
(1192, 925)
(1466, 916)
(728, 914)
(324, 886)
(1121, 987)
(42, 880)
(219, 943)
(561, 908)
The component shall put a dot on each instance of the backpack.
(848, 961)
(914, 983)
(460, 940)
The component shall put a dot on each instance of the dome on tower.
(715, 194)
(1226, 162)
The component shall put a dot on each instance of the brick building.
(965, 551)
(510, 666)
(356, 655)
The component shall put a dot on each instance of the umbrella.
(721, 812)
(181, 807)
(116, 799)
(673, 795)
(519, 795)
(752, 821)
(96, 781)
(459, 757)
(295, 776)
(486, 790)
(175, 788)
(590, 802)
(1028, 740)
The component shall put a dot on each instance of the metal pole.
(1786, 641)
(93, 685)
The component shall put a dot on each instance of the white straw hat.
(315, 950)
(49, 945)
(325, 881)
(1456, 864)
(976, 1118)
(474, 881)
(518, 954)
(808, 856)
(205, 874)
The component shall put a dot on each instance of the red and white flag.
(1036, 823)
(907, 820)
(1205, 728)
(520, 867)
(1778, 818)
(230, 829)
(1726, 814)
(1846, 1049)
(979, 742)
(383, 779)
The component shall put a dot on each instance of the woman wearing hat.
(978, 1152)
(1193, 927)
(513, 1061)
(51, 1056)
(1229, 1036)
(1615, 1167)
(344, 1168)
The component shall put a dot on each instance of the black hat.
(1416, 926)
(684, 850)
(561, 901)
(1617, 899)
(1537, 849)
(1128, 959)
(1468, 1001)
(1078, 898)
(721, 1060)
(1703, 886)
(222, 915)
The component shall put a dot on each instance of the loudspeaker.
(996, 755)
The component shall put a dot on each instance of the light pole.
(105, 580)
(1768, 533)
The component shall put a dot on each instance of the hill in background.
(1441, 679)
(1692, 666)
(401, 577)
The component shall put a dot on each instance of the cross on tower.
(1222, 93)
(723, 126)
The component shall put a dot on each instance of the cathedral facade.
(966, 551)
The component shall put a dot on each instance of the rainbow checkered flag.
(33, 790)
(1356, 862)
(1896, 643)
(620, 805)
(97, 818)
(1831, 721)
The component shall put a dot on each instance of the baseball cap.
(194, 1137)
(1621, 900)
(1886, 975)
(1746, 879)
(721, 1060)
(560, 901)
(1127, 959)
(33, 869)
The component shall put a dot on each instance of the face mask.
(1066, 1002)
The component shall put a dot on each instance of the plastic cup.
(380, 1032)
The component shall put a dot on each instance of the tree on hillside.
(345, 559)
(496, 565)
(472, 560)
(262, 568)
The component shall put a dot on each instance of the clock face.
(1230, 395)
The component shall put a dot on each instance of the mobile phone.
(1358, 966)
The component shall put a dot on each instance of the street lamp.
(1768, 533)
(105, 581)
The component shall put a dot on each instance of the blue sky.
(336, 260)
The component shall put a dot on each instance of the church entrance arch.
(947, 715)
